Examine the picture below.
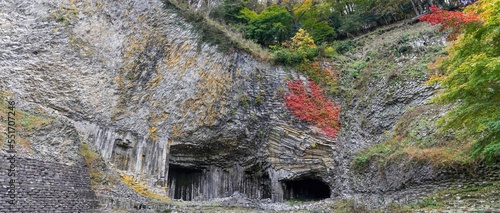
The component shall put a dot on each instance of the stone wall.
(46, 187)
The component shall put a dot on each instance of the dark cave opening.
(183, 182)
(266, 187)
(305, 189)
(256, 185)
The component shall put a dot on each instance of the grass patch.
(486, 193)
(294, 202)
(216, 33)
(93, 161)
(380, 150)
(25, 123)
(30, 122)
(416, 137)
(348, 206)
(244, 100)
(141, 188)
(399, 54)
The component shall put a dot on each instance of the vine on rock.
(312, 106)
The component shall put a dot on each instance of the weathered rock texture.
(141, 86)
(157, 100)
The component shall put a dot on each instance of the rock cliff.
(190, 118)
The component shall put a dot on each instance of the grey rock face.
(136, 80)
(60, 143)
(367, 122)
(139, 85)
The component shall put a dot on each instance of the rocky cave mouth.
(257, 185)
(183, 182)
(306, 189)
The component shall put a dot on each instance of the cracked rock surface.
(139, 83)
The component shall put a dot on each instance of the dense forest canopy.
(326, 20)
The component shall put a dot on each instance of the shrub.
(329, 51)
(286, 56)
(244, 100)
(301, 48)
(344, 46)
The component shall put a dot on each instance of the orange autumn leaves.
(455, 20)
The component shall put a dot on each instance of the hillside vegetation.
(317, 38)
(463, 119)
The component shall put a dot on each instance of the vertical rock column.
(129, 151)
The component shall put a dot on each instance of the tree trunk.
(420, 7)
(417, 13)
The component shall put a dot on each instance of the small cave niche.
(183, 182)
(306, 189)
(257, 185)
(123, 143)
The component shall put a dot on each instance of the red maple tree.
(312, 106)
(455, 20)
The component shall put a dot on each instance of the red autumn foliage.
(449, 19)
(313, 106)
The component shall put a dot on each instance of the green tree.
(297, 9)
(229, 11)
(351, 16)
(271, 26)
(388, 11)
(470, 77)
(315, 20)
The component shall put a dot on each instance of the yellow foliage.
(141, 188)
(152, 129)
(437, 156)
(305, 6)
(300, 39)
(470, 76)
(153, 133)
(486, 10)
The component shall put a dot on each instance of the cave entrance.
(183, 182)
(256, 185)
(305, 189)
